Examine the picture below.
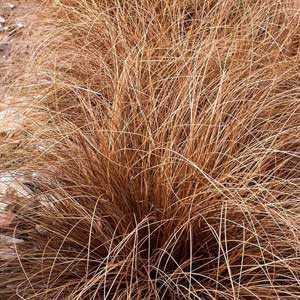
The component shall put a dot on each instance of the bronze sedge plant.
(165, 154)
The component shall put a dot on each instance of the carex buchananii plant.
(162, 155)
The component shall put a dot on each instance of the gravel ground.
(16, 18)
(22, 26)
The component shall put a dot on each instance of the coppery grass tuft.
(161, 155)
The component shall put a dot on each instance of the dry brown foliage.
(161, 154)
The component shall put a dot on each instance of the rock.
(4, 51)
(10, 120)
(3, 28)
(10, 240)
(40, 229)
(11, 6)
(56, 2)
(4, 46)
(20, 25)
(2, 20)
(10, 181)
(3, 207)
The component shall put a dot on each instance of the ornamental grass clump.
(160, 158)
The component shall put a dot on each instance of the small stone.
(35, 174)
(11, 183)
(2, 20)
(3, 28)
(20, 25)
(3, 207)
(11, 6)
(56, 2)
(4, 47)
(10, 239)
(40, 229)
(10, 120)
